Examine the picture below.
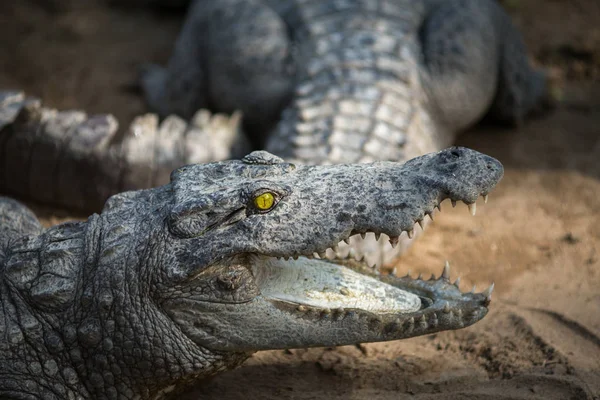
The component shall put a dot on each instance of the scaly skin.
(170, 285)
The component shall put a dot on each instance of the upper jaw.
(392, 233)
(402, 196)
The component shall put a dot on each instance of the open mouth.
(318, 282)
(277, 281)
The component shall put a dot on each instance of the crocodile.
(349, 80)
(170, 285)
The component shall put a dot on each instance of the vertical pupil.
(264, 201)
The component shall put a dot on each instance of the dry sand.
(538, 238)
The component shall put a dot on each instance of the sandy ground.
(538, 238)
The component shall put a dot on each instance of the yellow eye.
(264, 201)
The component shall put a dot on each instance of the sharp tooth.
(439, 207)
(430, 215)
(316, 255)
(488, 292)
(473, 289)
(457, 282)
(351, 253)
(377, 236)
(301, 308)
(447, 307)
(347, 240)
(472, 208)
(394, 271)
(323, 254)
(411, 233)
(446, 272)
(363, 235)
(485, 198)
(420, 222)
(331, 254)
(394, 241)
(420, 276)
(453, 203)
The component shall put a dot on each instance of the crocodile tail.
(16, 220)
(75, 160)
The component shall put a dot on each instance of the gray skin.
(174, 284)
(318, 82)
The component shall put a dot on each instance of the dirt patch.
(538, 238)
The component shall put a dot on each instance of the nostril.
(489, 166)
(455, 153)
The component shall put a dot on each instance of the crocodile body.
(174, 284)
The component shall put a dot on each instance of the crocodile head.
(242, 271)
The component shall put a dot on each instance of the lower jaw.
(323, 285)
